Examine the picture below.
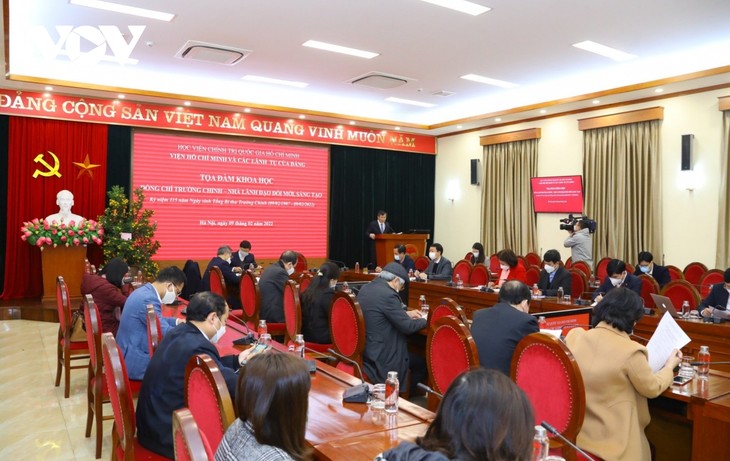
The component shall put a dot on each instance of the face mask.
(169, 297)
(397, 257)
(615, 282)
(244, 253)
(432, 255)
(218, 334)
(549, 269)
(504, 267)
(475, 253)
(644, 269)
(290, 271)
(228, 260)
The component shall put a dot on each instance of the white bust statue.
(64, 200)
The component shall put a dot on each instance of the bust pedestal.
(67, 262)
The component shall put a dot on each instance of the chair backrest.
(347, 329)
(120, 396)
(250, 299)
(92, 322)
(446, 307)
(601, 271)
(679, 291)
(207, 398)
(494, 264)
(468, 256)
(545, 369)
(190, 444)
(63, 305)
(694, 271)
(578, 282)
(412, 251)
(421, 263)
(710, 278)
(192, 279)
(532, 275)
(675, 273)
(217, 282)
(87, 266)
(450, 350)
(292, 310)
(582, 266)
(648, 286)
(569, 263)
(305, 281)
(479, 275)
(463, 269)
(302, 265)
(533, 259)
(154, 329)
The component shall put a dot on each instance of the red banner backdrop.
(61, 155)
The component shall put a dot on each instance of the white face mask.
(644, 269)
(504, 267)
(475, 253)
(218, 334)
(616, 281)
(549, 269)
(397, 257)
(169, 297)
(432, 255)
(244, 253)
(290, 271)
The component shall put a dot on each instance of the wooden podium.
(67, 262)
(384, 244)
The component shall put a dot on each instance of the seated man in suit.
(243, 258)
(439, 268)
(271, 287)
(231, 275)
(498, 329)
(717, 303)
(132, 333)
(402, 258)
(617, 277)
(379, 226)
(163, 387)
(647, 266)
(554, 275)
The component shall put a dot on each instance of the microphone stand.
(555, 432)
(358, 393)
(429, 390)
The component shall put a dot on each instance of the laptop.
(664, 304)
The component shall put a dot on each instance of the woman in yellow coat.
(617, 378)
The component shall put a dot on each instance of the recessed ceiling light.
(461, 6)
(543, 111)
(596, 101)
(458, 127)
(489, 81)
(352, 122)
(117, 8)
(397, 128)
(603, 50)
(339, 49)
(49, 88)
(497, 119)
(186, 103)
(275, 81)
(247, 110)
(411, 102)
(659, 90)
(120, 96)
(302, 116)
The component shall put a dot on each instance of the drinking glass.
(686, 369)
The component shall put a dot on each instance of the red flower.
(71, 233)
(63, 238)
(39, 242)
(85, 240)
(76, 242)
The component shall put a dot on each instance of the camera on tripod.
(569, 223)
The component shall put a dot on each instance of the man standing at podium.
(379, 226)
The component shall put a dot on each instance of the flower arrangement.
(40, 232)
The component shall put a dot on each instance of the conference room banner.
(123, 112)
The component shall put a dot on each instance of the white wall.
(689, 221)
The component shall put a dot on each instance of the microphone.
(555, 432)
(639, 337)
(697, 364)
(246, 340)
(340, 264)
(429, 390)
(358, 393)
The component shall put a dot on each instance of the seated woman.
(498, 417)
(477, 254)
(109, 292)
(272, 402)
(617, 379)
(512, 268)
(316, 302)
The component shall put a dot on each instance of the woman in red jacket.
(106, 289)
(512, 268)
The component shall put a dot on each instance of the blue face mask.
(644, 269)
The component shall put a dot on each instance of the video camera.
(569, 223)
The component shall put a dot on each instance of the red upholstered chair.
(494, 264)
(217, 282)
(450, 350)
(190, 443)
(67, 350)
(446, 307)
(601, 272)
(710, 278)
(545, 369)
(347, 329)
(648, 286)
(679, 291)
(124, 441)
(412, 251)
(479, 275)
(208, 399)
(305, 281)
(532, 275)
(463, 270)
(468, 256)
(421, 263)
(694, 271)
(630, 268)
(578, 282)
(533, 259)
(96, 397)
(302, 264)
(583, 267)
(292, 311)
(250, 300)
(154, 329)
(675, 273)
(569, 263)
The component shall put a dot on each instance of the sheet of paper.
(555, 333)
(667, 337)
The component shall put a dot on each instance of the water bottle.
(540, 444)
(299, 346)
(410, 273)
(262, 327)
(459, 282)
(685, 309)
(424, 310)
(704, 358)
(542, 322)
(357, 267)
(391, 392)
(535, 290)
(561, 293)
(422, 301)
(345, 287)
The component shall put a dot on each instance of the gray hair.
(224, 249)
(388, 276)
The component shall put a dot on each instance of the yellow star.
(86, 167)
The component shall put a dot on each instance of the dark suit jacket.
(248, 262)
(717, 297)
(631, 282)
(374, 228)
(660, 274)
(496, 331)
(561, 278)
(443, 272)
(408, 263)
(271, 288)
(316, 318)
(226, 269)
(386, 328)
(163, 385)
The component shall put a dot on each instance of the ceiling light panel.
(489, 81)
(275, 81)
(339, 49)
(410, 102)
(603, 50)
(461, 6)
(118, 8)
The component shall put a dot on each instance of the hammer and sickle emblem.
(52, 170)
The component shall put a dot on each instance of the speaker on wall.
(474, 169)
(687, 151)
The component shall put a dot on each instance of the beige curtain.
(621, 179)
(723, 223)
(507, 211)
